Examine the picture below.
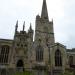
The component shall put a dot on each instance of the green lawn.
(24, 73)
(27, 73)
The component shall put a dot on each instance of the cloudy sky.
(62, 12)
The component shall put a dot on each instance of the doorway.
(20, 65)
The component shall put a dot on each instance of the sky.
(61, 11)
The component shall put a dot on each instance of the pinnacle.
(23, 25)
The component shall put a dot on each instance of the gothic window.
(70, 60)
(58, 58)
(4, 54)
(39, 54)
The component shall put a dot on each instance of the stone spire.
(30, 32)
(23, 25)
(30, 27)
(16, 27)
(44, 13)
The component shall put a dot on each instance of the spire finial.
(17, 23)
(16, 27)
(23, 25)
(30, 27)
(44, 13)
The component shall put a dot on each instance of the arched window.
(39, 54)
(58, 58)
(4, 54)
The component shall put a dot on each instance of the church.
(43, 53)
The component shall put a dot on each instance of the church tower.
(44, 28)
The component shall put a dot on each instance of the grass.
(23, 73)
(27, 73)
(68, 73)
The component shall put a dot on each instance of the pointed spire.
(30, 28)
(44, 13)
(17, 23)
(52, 20)
(16, 27)
(23, 25)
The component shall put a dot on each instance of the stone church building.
(42, 53)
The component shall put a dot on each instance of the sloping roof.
(6, 40)
(71, 50)
(58, 44)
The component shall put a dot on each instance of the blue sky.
(62, 12)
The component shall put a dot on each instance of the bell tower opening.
(20, 65)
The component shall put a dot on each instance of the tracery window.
(39, 54)
(4, 54)
(58, 58)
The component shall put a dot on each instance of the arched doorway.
(20, 65)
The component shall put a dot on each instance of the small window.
(25, 45)
(21, 45)
(18, 44)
